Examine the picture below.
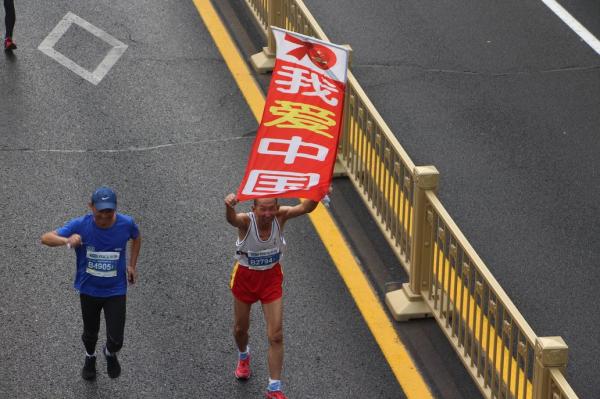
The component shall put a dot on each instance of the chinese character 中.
(293, 147)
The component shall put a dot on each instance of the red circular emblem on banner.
(320, 55)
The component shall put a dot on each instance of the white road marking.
(568, 19)
(95, 77)
(128, 149)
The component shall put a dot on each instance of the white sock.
(274, 385)
(106, 352)
(244, 355)
(92, 355)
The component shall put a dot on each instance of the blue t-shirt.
(101, 259)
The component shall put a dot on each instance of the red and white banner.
(296, 144)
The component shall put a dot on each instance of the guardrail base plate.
(262, 62)
(405, 307)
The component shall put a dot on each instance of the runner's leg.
(90, 312)
(114, 315)
(241, 315)
(10, 17)
(273, 312)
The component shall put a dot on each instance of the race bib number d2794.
(102, 264)
(266, 257)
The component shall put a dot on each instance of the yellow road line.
(237, 66)
(370, 307)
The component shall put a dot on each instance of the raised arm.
(289, 212)
(239, 220)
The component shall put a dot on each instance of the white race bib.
(266, 257)
(102, 264)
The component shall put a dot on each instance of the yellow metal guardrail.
(496, 343)
(448, 280)
(558, 386)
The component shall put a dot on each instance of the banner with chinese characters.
(295, 148)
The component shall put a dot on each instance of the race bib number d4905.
(102, 264)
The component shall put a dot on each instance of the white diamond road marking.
(95, 77)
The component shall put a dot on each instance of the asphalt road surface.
(167, 128)
(504, 98)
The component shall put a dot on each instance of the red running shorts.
(250, 286)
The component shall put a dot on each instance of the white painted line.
(96, 76)
(574, 24)
(128, 149)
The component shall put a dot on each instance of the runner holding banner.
(293, 155)
(296, 144)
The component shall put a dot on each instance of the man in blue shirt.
(100, 241)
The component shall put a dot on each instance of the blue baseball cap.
(104, 198)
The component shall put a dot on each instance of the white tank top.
(257, 254)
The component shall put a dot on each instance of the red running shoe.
(275, 395)
(242, 371)
(9, 45)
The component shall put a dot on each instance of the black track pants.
(10, 17)
(114, 315)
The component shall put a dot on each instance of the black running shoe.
(113, 368)
(88, 372)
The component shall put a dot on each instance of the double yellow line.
(367, 302)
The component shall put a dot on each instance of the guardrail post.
(550, 352)
(339, 170)
(407, 303)
(264, 61)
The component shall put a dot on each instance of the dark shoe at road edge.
(88, 372)
(113, 368)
